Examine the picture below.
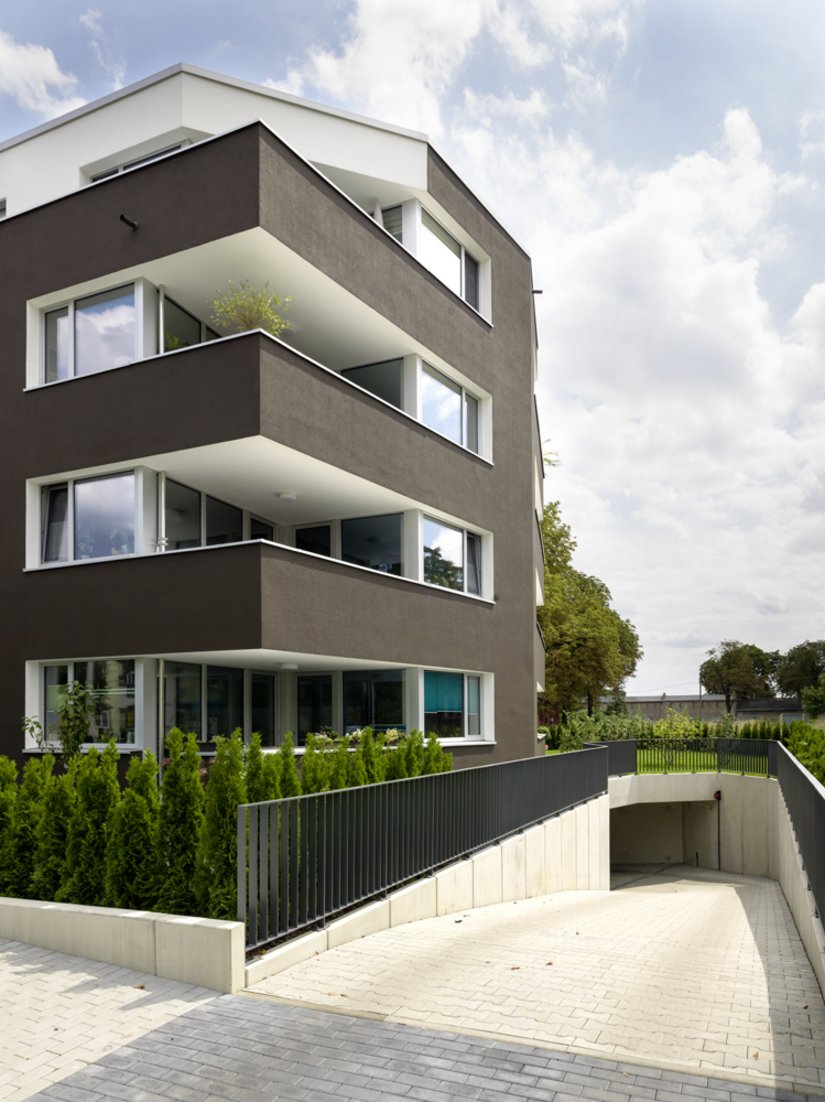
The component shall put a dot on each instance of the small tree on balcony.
(243, 307)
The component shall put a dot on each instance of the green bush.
(216, 876)
(52, 831)
(132, 858)
(181, 818)
(8, 801)
(290, 784)
(314, 767)
(28, 811)
(98, 793)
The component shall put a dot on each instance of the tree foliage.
(739, 670)
(813, 698)
(590, 649)
(801, 667)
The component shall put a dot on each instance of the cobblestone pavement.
(59, 1013)
(77, 1031)
(253, 1050)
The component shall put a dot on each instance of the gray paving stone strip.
(246, 1049)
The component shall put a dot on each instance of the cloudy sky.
(663, 162)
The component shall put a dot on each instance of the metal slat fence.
(704, 755)
(303, 859)
(805, 800)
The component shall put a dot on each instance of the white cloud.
(400, 59)
(99, 43)
(31, 75)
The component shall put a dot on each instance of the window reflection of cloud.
(105, 336)
(442, 407)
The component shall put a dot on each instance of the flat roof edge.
(184, 68)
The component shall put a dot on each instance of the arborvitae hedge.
(98, 794)
(74, 838)
(132, 855)
(216, 876)
(181, 821)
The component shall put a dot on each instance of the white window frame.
(483, 539)
(144, 509)
(145, 328)
(486, 705)
(36, 698)
(411, 226)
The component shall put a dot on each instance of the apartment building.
(330, 529)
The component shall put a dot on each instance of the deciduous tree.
(739, 670)
(590, 649)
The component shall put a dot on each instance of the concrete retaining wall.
(673, 818)
(662, 819)
(568, 852)
(200, 951)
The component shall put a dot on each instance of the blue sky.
(662, 162)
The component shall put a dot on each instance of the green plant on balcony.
(243, 306)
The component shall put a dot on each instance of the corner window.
(448, 408)
(452, 704)
(91, 334)
(374, 542)
(89, 518)
(452, 557)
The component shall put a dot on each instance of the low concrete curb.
(204, 952)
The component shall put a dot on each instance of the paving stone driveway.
(78, 1031)
(685, 968)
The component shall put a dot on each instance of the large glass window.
(104, 516)
(224, 700)
(182, 697)
(447, 408)
(260, 529)
(104, 331)
(91, 334)
(183, 516)
(374, 542)
(314, 704)
(374, 698)
(386, 380)
(113, 685)
(224, 523)
(452, 557)
(100, 523)
(317, 539)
